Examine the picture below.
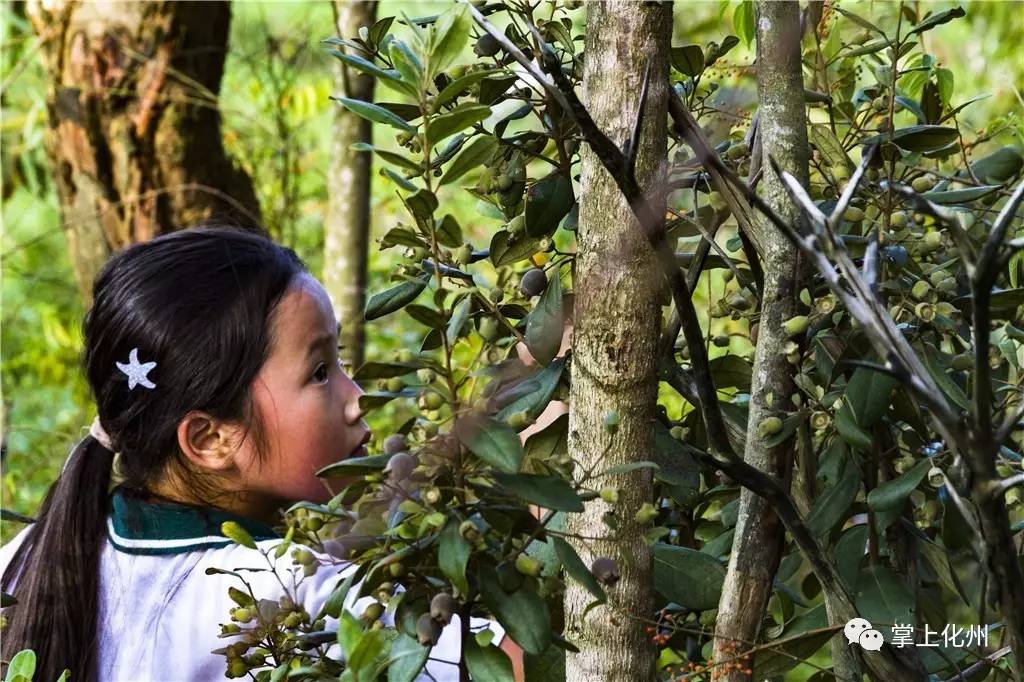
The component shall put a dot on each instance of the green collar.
(136, 526)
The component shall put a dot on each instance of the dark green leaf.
(550, 492)
(937, 19)
(379, 30)
(547, 201)
(999, 166)
(354, 466)
(550, 441)
(883, 598)
(399, 236)
(389, 77)
(522, 613)
(848, 554)
(458, 319)
(536, 391)
(504, 253)
(455, 121)
(575, 567)
(7, 600)
(803, 636)
(544, 324)
(390, 300)
(492, 88)
(449, 232)
(939, 368)
(472, 155)
(887, 500)
(832, 506)
(407, 659)
(375, 113)
(453, 554)
(919, 138)
(399, 180)
(390, 157)
(688, 59)
(487, 663)
(492, 441)
(867, 395)
(687, 577)
(457, 86)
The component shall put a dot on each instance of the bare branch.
(633, 146)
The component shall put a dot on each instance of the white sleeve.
(8, 550)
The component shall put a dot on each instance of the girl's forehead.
(305, 312)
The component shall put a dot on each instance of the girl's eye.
(321, 369)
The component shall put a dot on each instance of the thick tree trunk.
(617, 319)
(347, 232)
(759, 535)
(134, 132)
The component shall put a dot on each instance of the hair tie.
(97, 432)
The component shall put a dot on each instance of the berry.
(534, 282)
(527, 565)
(428, 631)
(610, 494)
(442, 606)
(399, 466)
(646, 513)
(486, 46)
(769, 426)
(795, 326)
(606, 570)
(394, 443)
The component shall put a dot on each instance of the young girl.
(211, 353)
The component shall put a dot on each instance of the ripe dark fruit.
(427, 630)
(486, 46)
(534, 282)
(606, 570)
(394, 443)
(442, 606)
(400, 466)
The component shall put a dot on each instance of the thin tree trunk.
(134, 134)
(617, 317)
(347, 232)
(760, 536)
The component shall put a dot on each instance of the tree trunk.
(347, 232)
(134, 134)
(617, 318)
(760, 536)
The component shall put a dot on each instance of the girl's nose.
(353, 413)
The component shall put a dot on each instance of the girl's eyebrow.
(319, 341)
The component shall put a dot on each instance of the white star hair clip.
(137, 372)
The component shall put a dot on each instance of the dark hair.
(199, 302)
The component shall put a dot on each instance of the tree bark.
(347, 232)
(617, 317)
(760, 536)
(134, 130)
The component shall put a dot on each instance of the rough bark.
(134, 130)
(760, 536)
(617, 315)
(346, 233)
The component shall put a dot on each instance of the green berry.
(920, 289)
(489, 329)
(769, 426)
(795, 326)
(922, 184)
(527, 565)
(610, 494)
(486, 46)
(646, 513)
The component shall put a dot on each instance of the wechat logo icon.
(859, 631)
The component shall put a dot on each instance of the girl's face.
(308, 404)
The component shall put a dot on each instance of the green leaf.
(457, 86)
(487, 663)
(336, 601)
(449, 38)
(832, 506)
(492, 441)
(399, 180)
(849, 551)
(504, 253)
(449, 232)
(688, 59)
(850, 431)
(999, 166)
(535, 391)
(493, 87)
(867, 394)
(472, 155)
(7, 600)
(349, 632)
(522, 613)
(550, 492)
(861, 21)
(375, 113)
(919, 138)
(388, 301)
(802, 637)
(453, 554)
(960, 196)
(455, 121)
(939, 558)
(390, 77)
(355, 466)
(828, 145)
(883, 599)
(370, 645)
(687, 577)
(406, 62)
(390, 157)
(714, 54)
(407, 659)
(576, 569)
(544, 324)
(887, 500)
(240, 535)
(22, 665)
(547, 201)
(731, 371)
(944, 81)
(743, 21)
(380, 29)
(458, 319)
(383, 370)
(937, 19)
(398, 236)
(940, 370)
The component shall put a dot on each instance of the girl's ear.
(207, 442)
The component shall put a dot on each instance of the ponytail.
(57, 570)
